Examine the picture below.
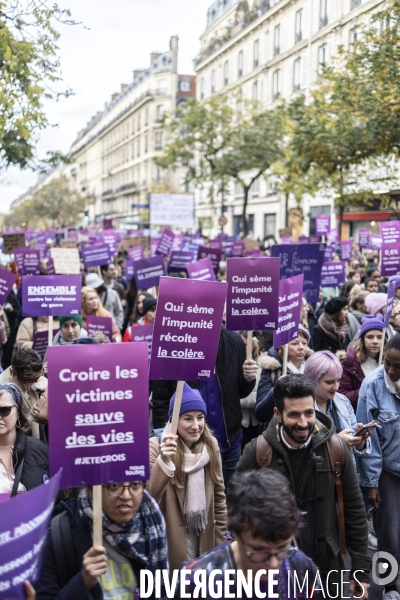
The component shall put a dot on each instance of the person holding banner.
(332, 331)
(149, 314)
(134, 538)
(109, 298)
(91, 305)
(29, 326)
(186, 480)
(24, 460)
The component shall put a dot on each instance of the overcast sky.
(116, 37)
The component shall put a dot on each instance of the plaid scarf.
(142, 539)
(332, 329)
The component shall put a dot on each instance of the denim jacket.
(377, 402)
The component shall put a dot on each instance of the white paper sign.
(172, 209)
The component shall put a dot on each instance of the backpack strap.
(17, 478)
(337, 457)
(263, 453)
(63, 547)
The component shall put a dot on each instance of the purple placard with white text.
(7, 280)
(216, 243)
(143, 333)
(333, 274)
(95, 255)
(391, 295)
(135, 253)
(237, 249)
(165, 242)
(322, 224)
(102, 324)
(50, 268)
(148, 271)
(24, 523)
(375, 241)
(187, 329)
(332, 236)
(363, 238)
(41, 341)
(346, 248)
(129, 270)
(390, 232)
(253, 290)
(31, 262)
(110, 239)
(214, 255)
(56, 295)
(103, 395)
(328, 253)
(289, 307)
(308, 260)
(390, 260)
(201, 269)
(179, 261)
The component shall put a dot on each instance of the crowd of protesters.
(248, 482)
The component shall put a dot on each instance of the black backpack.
(63, 546)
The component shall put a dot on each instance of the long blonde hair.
(207, 439)
(101, 311)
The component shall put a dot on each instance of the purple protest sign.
(154, 246)
(110, 239)
(103, 396)
(289, 307)
(391, 295)
(214, 254)
(332, 236)
(19, 254)
(201, 269)
(24, 523)
(228, 249)
(363, 238)
(390, 260)
(31, 263)
(148, 271)
(308, 260)
(253, 289)
(187, 329)
(46, 295)
(107, 223)
(50, 268)
(237, 249)
(303, 239)
(42, 247)
(7, 280)
(135, 253)
(255, 253)
(375, 241)
(102, 324)
(346, 249)
(328, 253)
(98, 254)
(333, 274)
(314, 239)
(179, 261)
(143, 333)
(287, 254)
(165, 242)
(178, 242)
(390, 232)
(322, 224)
(216, 243)
(129, 270)
(41, 341)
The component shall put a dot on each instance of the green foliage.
(29, 66)
(53, 205)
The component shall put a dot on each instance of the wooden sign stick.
(50, 339)
(249, 353)
(177, 407)
(382, 345)
(285, 359)
(97, 515)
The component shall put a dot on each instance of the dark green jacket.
(316, 497)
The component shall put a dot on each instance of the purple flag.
(237, 249)
(165, 242)
(41, 341)
(24, 523)
(346, 248)
(322, 224)
(333, 274)
(390, 260)
(213, 253)
(201, 269)
(253, 290)
(179, 261)
(289, 307)
(363, 238)
(391, 294)
(98, 254)
(390, 232)
(375, 241)
(46, 295)
(129, 270)
(135, 253)
(7, 280)
(102, 324)
(148, 271)
(143, 333)
(102, 393)
(187, 329)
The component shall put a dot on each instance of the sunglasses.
(5, 410)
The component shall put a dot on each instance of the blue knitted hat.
(191, 400)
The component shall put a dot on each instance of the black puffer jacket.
(35, 453)
(229, 369)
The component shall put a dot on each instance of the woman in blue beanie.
(361, 359)
(186, 480)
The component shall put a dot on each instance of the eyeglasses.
(5, 410)
(261, 556)
(117, 489)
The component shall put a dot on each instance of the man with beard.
(296, 444)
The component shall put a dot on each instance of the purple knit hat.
(370, 322)
(191, 400)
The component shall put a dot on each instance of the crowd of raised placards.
(179, 413)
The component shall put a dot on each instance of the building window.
(269, 225)
(226, 72)
(322, 50)
(239, 101)
(238, 225)
(159, 140)
(240, 63)
(256, 54)
(159, 175)
(323, 13)
(354, 4)
(276, 84)
(354, 35)
(299, 26)
(146, 145)
(255, 188)
(185, 85)
(213, 82)
(138, 148)
(277, 40)
(160, 112)
(238, 190)
(146, 117)
(255, 91)
(162, 87)
(138, 122)
(297, 75)
(202, 88)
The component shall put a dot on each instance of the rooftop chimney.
(136, 73)
(123, 86)
(113, 96)
(154, 56)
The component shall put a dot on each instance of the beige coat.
(171, 503)
(25, 330)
